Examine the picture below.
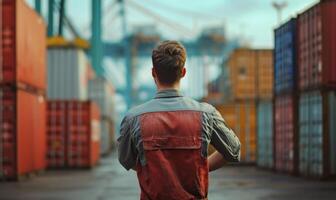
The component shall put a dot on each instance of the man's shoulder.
(183, 103)
(139, 109)
(199, 106)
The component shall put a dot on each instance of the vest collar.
(167, 93)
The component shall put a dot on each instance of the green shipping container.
(317, 134)
(265, 134)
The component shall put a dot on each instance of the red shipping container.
(22, 127)
(73, 134)
(56, 129)
(317, 46)
(285, 134)
(23, 43)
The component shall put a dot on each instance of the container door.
(316, 136)
(39, 132)
(8, 138)
(24, 134)
(56, 134)
(332, 132)
(304, 133)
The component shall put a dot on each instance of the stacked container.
(250, 74)
(285, 98)
(73, 122)
(251, 81)
(264, 111)
(265, 134)
(285, 133)
(68, 73)
(73, 134)
(241, 117)
(102, 93)
(22, 90)
(317, 84)
(317, 133)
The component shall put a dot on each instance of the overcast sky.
(252, 21)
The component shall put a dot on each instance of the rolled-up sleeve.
(127, 153)
(224, 139)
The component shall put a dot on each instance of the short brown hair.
(168, 60)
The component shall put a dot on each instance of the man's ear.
(153, 73)
(184, 71)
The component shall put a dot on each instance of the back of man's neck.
(174, 87)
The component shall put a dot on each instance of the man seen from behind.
(166, 139)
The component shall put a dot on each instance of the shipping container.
(102, 93)
(241, 117)
(285, 60)
(242, 69)
(265, 134)
(286, 134)
(68, 74)
(73, 134)
(21, 29)
(317, 133)
(22, 132)
(317, 46)
(251, 74)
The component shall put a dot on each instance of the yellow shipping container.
(251, 74)
(241, 117)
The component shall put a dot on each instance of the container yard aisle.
(111, 181)
(107, 181)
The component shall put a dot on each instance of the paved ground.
(110, 181)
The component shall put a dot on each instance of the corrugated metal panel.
(56, 133)
(285, 135)
(316, 46)
(328, 11)
(21, 29)
(251, 74)
(102, 93)
(241, 117)
(285, 63)
(67, 74)
(265, 74)
(73, 134)
(22, 127)
(265, 134)
(311, 134)
(242, 69)
(317, 120)
(332, 131)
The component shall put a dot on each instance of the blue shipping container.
(285, 64)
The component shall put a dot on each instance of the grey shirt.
(214, 128)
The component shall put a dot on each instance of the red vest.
(175, 168)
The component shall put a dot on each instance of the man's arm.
(216, 161)
(127, 153)
(225, 142)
